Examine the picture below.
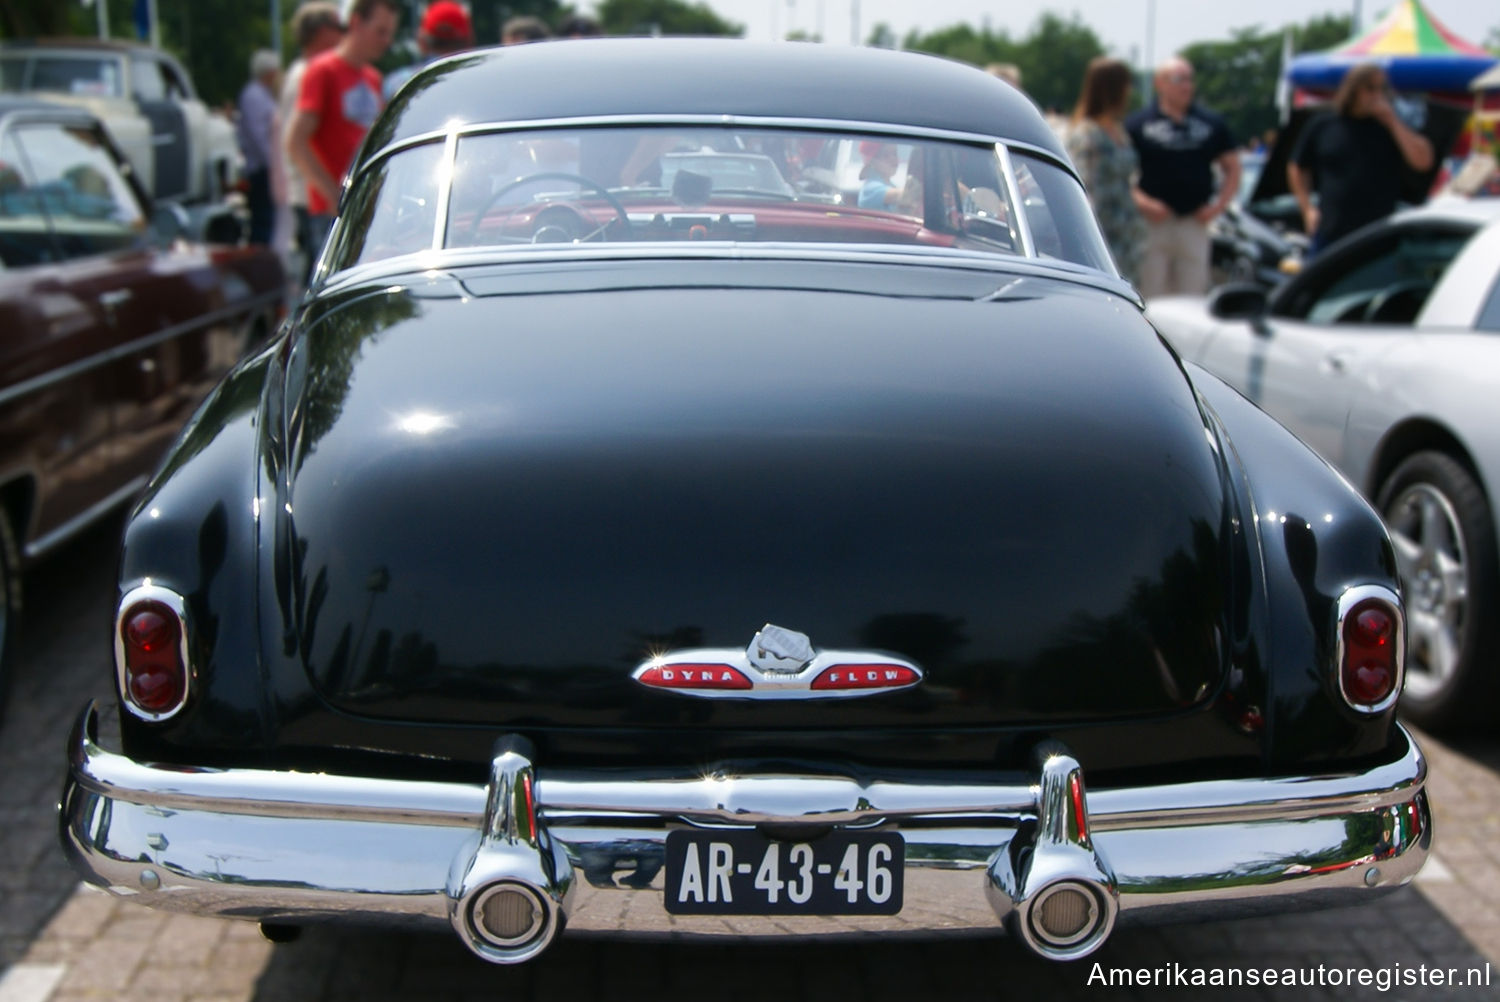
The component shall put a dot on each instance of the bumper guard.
(510, 864)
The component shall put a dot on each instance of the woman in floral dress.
(1106, 161)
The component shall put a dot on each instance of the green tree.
(881, 37)
(1237, 77)
(1052, 56)
(214, 40)
(962, 42)
(54, 18)
(663, 17)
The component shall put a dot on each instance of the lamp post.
(1150, 68)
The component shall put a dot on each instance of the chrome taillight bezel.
(148, 592)
(1349, 601)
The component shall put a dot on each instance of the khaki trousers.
(1176, 261)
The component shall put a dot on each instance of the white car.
(1384, 356)
(177, 147)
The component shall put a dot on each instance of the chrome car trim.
(265, 793)
(776, 668)
(78, 523)
(722, 798)
(1347, 601)
(427, 853)
(103, 358)
(1013, 193)
(148, 592)
(450, 138)
(514, 856)
(425, 262)
(712, 121)
(444, 192)
(1063, 859)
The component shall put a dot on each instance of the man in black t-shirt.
(1352, 157)
(1179, 143)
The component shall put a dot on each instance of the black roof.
(597, 77)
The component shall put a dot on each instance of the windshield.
(79, 75)
(592, 185)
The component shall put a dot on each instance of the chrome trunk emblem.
(778, 664)
(777, 649)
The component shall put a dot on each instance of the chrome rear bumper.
(510, 864)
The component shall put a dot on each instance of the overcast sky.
(1120, 24)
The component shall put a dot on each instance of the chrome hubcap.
(1430, 551)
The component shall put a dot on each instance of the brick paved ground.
(60, 943)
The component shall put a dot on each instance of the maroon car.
(113, 327)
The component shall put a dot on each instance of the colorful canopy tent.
(1418, 52)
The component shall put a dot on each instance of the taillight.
(861, 676)
(1370, 648)
(693, 676)
(150, 653)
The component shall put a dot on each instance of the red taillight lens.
(1369, 668)
(694, 676)
(155, 676)
(865, 677)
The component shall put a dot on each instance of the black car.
(606, 551)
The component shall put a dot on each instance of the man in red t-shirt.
(336, 106)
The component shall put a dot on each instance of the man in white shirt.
(318, 28)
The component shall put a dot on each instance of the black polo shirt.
(1356, 169)
(1177, 157)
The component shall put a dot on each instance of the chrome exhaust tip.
(508, 921)
(508, 890)
(1065, 920)
(1055, 892)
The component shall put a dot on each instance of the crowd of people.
(299, 130)
(1159, 177)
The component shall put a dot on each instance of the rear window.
(580, 186)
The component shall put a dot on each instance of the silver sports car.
(1384, 356)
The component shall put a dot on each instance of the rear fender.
(1313, 537)
(194, 532)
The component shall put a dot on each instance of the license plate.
(745, 873)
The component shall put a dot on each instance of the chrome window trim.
(1347, 601)
(148, 592)
(1013, 193)
(721, 121)
(450, 137)
(445, 191)
(434, 263)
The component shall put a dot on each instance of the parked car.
(1247, 247)
(113, 333)
(178, 148)
(1382, 356)
(738, 556)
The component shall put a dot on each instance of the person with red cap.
(445, 29)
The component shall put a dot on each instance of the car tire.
(1444, 535)
(10, 604)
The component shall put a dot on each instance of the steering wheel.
(549, 230)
